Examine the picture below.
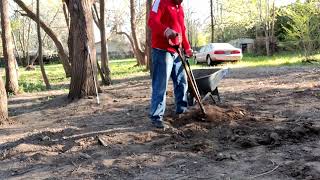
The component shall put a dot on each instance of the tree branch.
(56, 40)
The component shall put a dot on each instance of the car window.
(207, 48)
(202, 49)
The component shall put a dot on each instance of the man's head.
(177, 2)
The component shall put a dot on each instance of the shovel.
(190, 77)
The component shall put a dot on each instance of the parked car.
(218, 52)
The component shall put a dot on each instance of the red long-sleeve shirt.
(165, 14)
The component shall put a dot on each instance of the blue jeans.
(166, 65)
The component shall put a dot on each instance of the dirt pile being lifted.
(214, 115)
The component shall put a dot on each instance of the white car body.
(218, 52)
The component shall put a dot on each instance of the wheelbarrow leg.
(215, 92)
(214, 101)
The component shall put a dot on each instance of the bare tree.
(140, 54)
(62, 53)
(267, 28)
(212, 21)
(83, 51)
(11, 65)
(100, 21)
(66, 13)
(43, 72)
(148, 36)
(31, 63)
(18, 58)
(22, 34)
(267, 19)
(3, 103)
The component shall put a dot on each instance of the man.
(166, 22)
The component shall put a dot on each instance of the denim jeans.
(166, 65)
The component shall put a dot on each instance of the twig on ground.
(76, 167)
(265, 173)
(90, 134)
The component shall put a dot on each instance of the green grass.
(126, 68)
(31, 81)
(284, 59)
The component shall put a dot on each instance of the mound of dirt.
(214, 114)
(238, 128)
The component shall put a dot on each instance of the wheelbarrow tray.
(208, 80)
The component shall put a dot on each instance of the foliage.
(232, 23)
(304, 26)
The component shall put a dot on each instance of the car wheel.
(209, 61)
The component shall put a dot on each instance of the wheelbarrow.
(207, 81)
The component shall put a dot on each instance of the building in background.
(246, 44)
(117, 49)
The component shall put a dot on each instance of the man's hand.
(189, 53)
(170, 33)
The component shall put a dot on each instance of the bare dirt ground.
(267, 127)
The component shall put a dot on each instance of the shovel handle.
(190, 77)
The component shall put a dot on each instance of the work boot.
(160, 125)
(180, 115)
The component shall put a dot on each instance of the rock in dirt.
(46, 138)
(275, 137)
(85, 156)
(247, 142)
(225, 156)
(102, 141)
(299, 131)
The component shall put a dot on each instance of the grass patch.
(126, 68)
(284, 59)
(31, 81)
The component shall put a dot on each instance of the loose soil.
(266, 127)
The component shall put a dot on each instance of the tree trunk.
(104, 53)
(129, 38)
(95, 15)
(140, 55)
(43, 72)
(66, 14)
(11, 66)
(3, 102)
(148, 37)
(267, 29)
(83, 51)
(62, 53)
(101, 73)
(273, 41)
(24, 63)
(212, 21)
(16, 48)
